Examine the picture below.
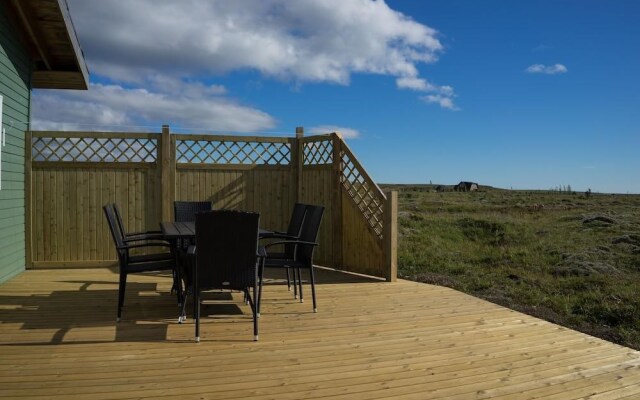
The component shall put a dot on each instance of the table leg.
(177, 276)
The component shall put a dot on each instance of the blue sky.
(521, 94)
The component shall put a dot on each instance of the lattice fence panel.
(232, 152)
(97, 150)
(367, 198)
(318, 152)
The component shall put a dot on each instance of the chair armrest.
(144, 233)
(265, 247)
(278, 235)
(261, 252)
(266, 232)
(141, 245)
(138, 238)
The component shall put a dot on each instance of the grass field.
(568, 258)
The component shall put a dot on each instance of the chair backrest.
(118, 218)
(297, 216)
(309, 233)
(116, 233)
(227, 246)
(185, 211)
(295, 226)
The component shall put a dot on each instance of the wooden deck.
(370, 340)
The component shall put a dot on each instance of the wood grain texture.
(390, 235)
(318, 188)
(363, 252)
(369, 340)
(67, 217)
(260, 190)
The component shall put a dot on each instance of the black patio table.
(174, 231)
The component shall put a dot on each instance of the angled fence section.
(364, 224)
(363, 207)
(359, 229)
(71, 175)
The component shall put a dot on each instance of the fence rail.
(70, 175)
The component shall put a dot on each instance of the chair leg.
(254, 308)
(295, 283)
(288, 279)
(178, 284)
(183, 309)
(174, 272)
(186, 276)
(313, 289)
(299, 283)
(173, 286)
(196, 299)
(258, 299)
(121, 288)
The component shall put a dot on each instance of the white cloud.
(548, 70)
(442, 101)
(347, 133)
(321, 41)
(294, 41)
(415, 83)
(114, 107)
(154, 55)
(422, 85)
(541, 47)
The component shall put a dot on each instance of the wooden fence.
(70, 175)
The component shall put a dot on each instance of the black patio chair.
(295, 224)
(130, 263)
(133, 236)
(141, 236)
(302, 255)
(293, 232)
(226, 257)
(185, 211)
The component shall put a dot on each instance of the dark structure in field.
(467, 187)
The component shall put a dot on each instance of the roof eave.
(72, 74)
(65, 79)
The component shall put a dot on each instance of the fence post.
(167, 175)
(390, 235)
(28, 243)
(336, 201)
(299, 161)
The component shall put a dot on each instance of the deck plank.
(370, 340)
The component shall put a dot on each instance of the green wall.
(15, 85)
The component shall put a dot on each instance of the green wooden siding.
(15, 85)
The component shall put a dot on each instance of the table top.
(178, 230)
(185, 230)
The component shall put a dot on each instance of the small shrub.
(481, 230)
(606, 311)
